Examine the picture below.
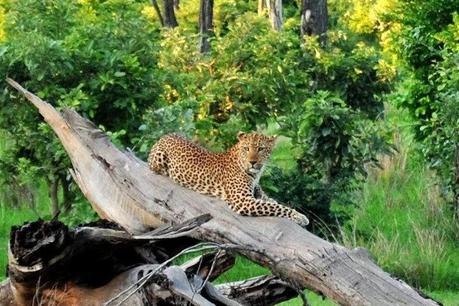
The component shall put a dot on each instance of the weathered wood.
(275, 14)
(209, 265)
(121, 188)
(170, 287)
(261, 290)
(51, 264)
(48, 255)
(181, 286)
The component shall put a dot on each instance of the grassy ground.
(407, 228)
(402, 218)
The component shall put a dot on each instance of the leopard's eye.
(247, 149)
(261, 149)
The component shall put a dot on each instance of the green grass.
(405, 222)
(448, 298)
(408, 229)
(243, 269)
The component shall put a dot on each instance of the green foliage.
(428, 44)
(242, 81)
(228, 11)
(405, 223)
(441, 129)
(96, 57)
(336, 137)
(333, 145)
(349, 67)
(324, 100)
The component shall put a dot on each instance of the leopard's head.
(254, 150)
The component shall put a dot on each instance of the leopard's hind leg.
(158, 161)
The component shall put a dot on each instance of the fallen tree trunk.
(100, 264)
(50, 264)
(121, 188)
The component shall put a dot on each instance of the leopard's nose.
(253, 162)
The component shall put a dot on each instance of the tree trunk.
(314, 19)
(158, 12)
(169, 14)
(261, 7)
(206, 11)
(121, 188)
(275, 13)
(177, 4)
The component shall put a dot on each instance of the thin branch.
(143, 280)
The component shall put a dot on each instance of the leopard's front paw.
(300, 219)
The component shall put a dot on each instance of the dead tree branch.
(121, 188)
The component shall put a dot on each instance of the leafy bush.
(109, 62)
(428, 44)
(334, 144)
(96, 57)
(441, 142)
(324, 100)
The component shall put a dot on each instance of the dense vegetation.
(336, 105)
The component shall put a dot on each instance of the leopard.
(232, 176)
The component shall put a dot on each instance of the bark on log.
(202, 265)
(51, 264)
(248, 292)
(121, 188)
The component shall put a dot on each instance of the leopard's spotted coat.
(232, 176)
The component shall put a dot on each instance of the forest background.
(367, 112)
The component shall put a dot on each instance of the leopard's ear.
(240, 135)
(273, 138)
